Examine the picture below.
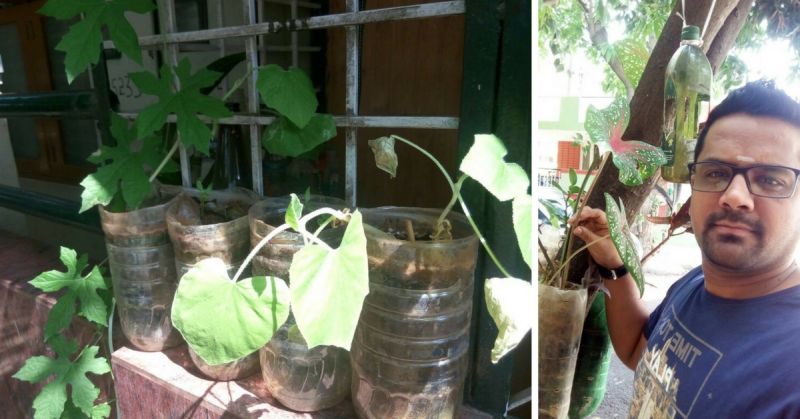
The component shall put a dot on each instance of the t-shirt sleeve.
(655, 316)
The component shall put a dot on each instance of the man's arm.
(625, 312)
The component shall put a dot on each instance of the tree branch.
(599, 37)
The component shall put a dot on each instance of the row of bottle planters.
(409, 355)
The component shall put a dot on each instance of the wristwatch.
(612, 274)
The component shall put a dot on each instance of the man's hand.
(591, 226)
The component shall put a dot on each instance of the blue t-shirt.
(712, 357)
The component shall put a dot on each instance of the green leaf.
(83, 42)
(289, 92)
(51, 400)
(573, 177)
(623, 241)
(60, 316)
(82, 288)
(603, 124)
(328, 287)
(254, 308)
(636, 160)
(186, 103)
(385, 157)
(284, 138)
(508, 301)
(484, 163)
(294, 212)
(522, 216)
(126, 169)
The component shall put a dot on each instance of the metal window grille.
(253, 32)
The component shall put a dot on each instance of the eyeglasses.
(762, 180)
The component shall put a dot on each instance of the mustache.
(736, 218)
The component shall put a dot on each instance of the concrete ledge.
(167, 384)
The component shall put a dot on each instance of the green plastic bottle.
(687, 92)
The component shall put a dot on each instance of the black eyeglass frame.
(743, 171)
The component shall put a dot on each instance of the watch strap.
(612, 274)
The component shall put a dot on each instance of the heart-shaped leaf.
(290, 92)
(484, 163)
(636, 160)
(284, 138)
(328, 288)
(224, 320)
(509, 303)
(623, 240)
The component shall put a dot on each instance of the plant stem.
(580, 249)
(464, 208)
(480, 237)
(304, 219)
(577, 210)
(283, 227)
(456, 193)
(164, 162)
(430, 156)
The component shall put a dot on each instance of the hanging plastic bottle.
(687, 93)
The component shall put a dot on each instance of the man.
(725, 342)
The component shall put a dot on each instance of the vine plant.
(126, 173)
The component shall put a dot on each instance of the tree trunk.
(646, 120)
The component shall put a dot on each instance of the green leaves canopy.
(125, 170)
(50, 401)
(635, 160)
(328, 287)
(79, 288)
(623, 240)
(186, 103)
(224, 320)
(82, 44)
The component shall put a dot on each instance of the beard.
(733, 251)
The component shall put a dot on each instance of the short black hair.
(757, 98)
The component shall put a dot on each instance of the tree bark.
(646, 107)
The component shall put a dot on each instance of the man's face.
(735, 229)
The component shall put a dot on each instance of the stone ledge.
(167, 384)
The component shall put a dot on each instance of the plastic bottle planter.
(140, 258)
(299, 378)
(561, 315)
(203, 231)
(410, 350)
(194, 241)
(302, 379)
(276, 257)
(242, 367)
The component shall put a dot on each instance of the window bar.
(221, 45)
(419, 11)
(166, 12)
(351, 107)
(262, 38)
(249, 8)
(423, 122)
(294, 35)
